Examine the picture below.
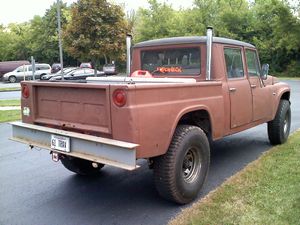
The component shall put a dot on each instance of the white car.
(109, 69)
(25, 72)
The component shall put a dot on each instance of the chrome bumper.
(102, 150)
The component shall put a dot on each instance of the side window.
(41, 67)
(78, 72)
(234, 62)
(252, 63)
(21, 69)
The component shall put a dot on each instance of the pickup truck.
(183, 93)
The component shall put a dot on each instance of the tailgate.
(77, 106)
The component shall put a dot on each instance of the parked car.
(78, 74)
(9, 66)
(86, 65)
(65, 71)
(110, 69)
(55, 67)
(25, 72)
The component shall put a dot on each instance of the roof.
(190, 40)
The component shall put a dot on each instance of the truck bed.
(152, 109)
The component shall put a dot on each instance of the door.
(261, 93)
(239, 88)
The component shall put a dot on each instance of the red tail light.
(119, 97)
(25, 91)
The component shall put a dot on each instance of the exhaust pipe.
(128, 54)
(209, 37)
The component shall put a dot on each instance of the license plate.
(60, 143)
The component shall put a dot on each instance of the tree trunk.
(105, 57)
(94, 61)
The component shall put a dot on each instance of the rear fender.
(186, 111)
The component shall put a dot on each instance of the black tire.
(12, 79)
(41, 77)
(80, 166)
(180, 173)
(279, 127)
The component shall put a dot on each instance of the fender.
(189, 110)
(281, 90)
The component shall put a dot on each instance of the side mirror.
(264, 71)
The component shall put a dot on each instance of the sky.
(18, 11)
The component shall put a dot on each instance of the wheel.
(80, 166)
(12, 79)
(42, 76)
(181, 172)
(279, 127)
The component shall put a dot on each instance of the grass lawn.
(10, 115)
(10, 89)
(267, 191)
(15, 102)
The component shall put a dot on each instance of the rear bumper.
(102, 150)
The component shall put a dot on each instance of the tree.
(278, 34)
(155, 22)
(44, 35)
(14, 42)
(97, 30)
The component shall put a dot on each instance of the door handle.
(253, 85)
(232, 89)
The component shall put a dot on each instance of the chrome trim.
(128, 54)
(209, 35)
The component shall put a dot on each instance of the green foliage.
(9, 115)
(13, 42)
(44, 35)
(14, 102)
(36, 38)
(156, 22)
(271, 25)
(277, 34)
(97, 29)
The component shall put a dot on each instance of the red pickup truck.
(184, 92)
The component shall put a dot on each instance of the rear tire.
(279, 127)
(80, 166)
(180, 173)
(12, 79)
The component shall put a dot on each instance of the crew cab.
(183, 93)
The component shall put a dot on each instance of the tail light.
(25, 91)
(119, 97)
(141, 73)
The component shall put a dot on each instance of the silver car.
(25, 72)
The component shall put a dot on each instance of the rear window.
(42, 67)
(175, 61)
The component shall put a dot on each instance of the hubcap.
(12, 79)
(191, 165)
(286, 123)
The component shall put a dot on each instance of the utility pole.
(59, 40)
(33, 67)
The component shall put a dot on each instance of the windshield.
(175, 61)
